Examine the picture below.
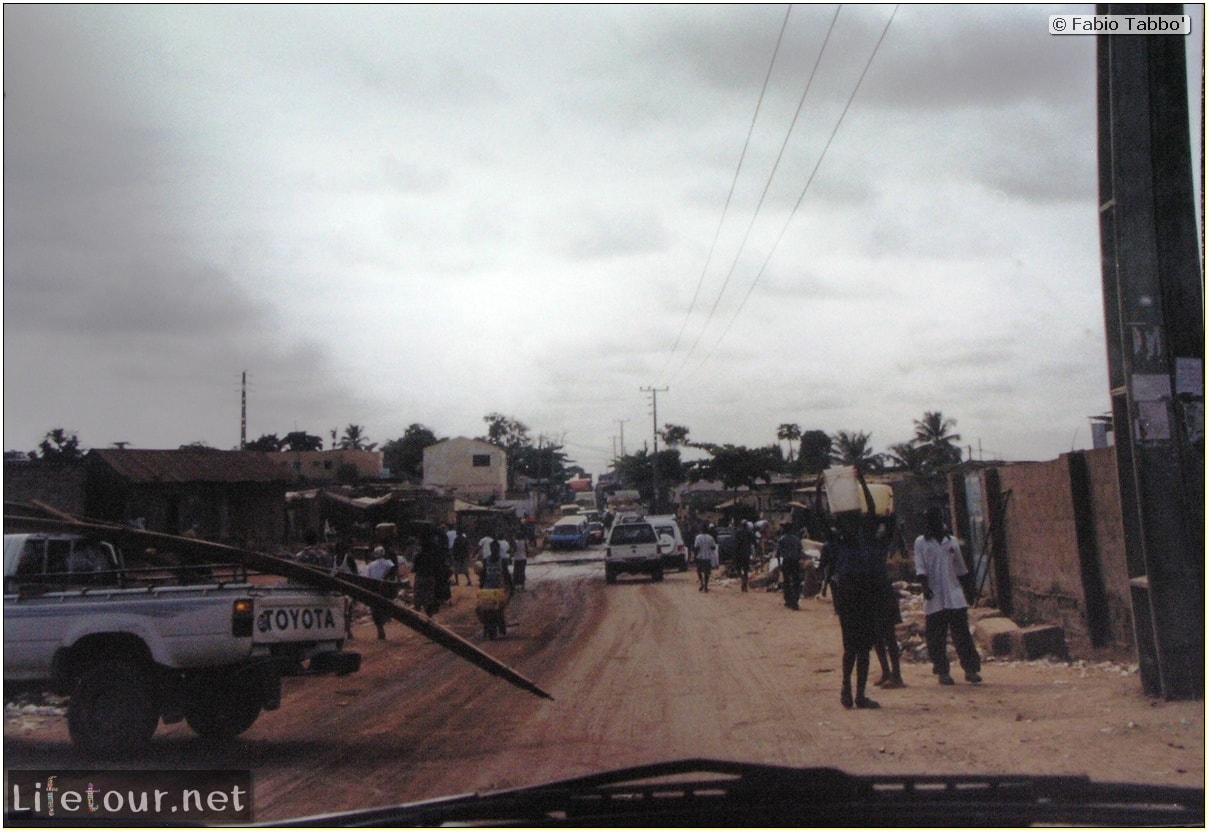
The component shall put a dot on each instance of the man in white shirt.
(706, 549)
(939, 566)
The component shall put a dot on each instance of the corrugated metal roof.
(191, 466)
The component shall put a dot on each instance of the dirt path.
(643, 672)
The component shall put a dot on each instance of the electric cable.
(767, 186)
(734, 180)
(801, 196)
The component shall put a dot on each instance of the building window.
(481, 460)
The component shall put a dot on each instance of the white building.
(469, 468)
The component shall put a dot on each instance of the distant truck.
(130, 647)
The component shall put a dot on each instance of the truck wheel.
(112, 712)
(225, 711)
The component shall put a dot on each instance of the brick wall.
(1056, 577)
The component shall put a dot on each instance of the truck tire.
(112, 711)
(610, 575)
(227, 709)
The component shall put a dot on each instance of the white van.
(676, 557)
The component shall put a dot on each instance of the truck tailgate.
(298, 618)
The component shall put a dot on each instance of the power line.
(734, 180)
(767, 185)
(802, 196)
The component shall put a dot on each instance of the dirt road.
(642, 672)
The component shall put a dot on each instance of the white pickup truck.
(207, 644)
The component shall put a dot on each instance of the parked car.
(570, 532)
(596, 532)
(667, 528)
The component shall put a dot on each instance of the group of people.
(853, 563)
(438, 554)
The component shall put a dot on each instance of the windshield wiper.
(719, 793)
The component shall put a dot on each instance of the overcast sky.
(394, 215)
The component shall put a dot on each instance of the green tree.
(674, 435)
(854, 448)
(637, 471)
(355, 439)
(814, 452)
(405, 456)
(547, 463)
(933, 435)
(300, 440)
(510, 434)
(789, 432)
(267, 443)
(908, 456)
(506, 431)
(736, 465)
(60, 444)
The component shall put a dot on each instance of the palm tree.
(789, 432)
(909, 457)
(854, 448)
(932, 435)
(354, 440)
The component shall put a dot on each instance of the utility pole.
(243, 412)
(1154, 304)
(654, 391)
(622, 422)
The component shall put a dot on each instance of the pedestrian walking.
(520, 557)
(461, 558)
(382, 568)
(789, 552)
(745, 545)
(852, 562)
(889, 616)
(939, 566)
(705, 552)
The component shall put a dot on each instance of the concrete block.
(1041, 640)
(997, 635)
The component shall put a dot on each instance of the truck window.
(57, 554)
(30, 562)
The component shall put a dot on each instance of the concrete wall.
(449, 465)
(324, 466)
(1063, 546)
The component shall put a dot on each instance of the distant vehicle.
(568, 509)
(667, 527)
(570, 532)
(596, 532)
(634, 548)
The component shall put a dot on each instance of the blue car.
(569, 533)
